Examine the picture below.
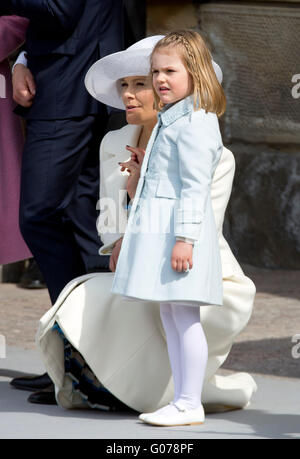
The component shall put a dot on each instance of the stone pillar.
(258, 48)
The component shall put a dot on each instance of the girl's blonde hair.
(208, 92)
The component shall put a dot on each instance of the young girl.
(170, 251)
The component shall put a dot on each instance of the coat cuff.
(188, 222)
(21, 59)
(185, 239)
(107, 248)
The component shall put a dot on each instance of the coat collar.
(172, 112)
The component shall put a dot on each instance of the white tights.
(187, 348)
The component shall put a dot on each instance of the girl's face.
(138, 98)
(171, 80)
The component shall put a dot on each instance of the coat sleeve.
(222, 186)
(51, 14)
(199, 147)
(12, 34)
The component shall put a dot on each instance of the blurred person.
(12, 245)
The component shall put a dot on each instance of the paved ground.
(265, 349)
(274, 413)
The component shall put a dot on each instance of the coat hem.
(185, 302)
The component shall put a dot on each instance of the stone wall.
(257, 45)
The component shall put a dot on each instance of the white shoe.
(144, 416)
(184, 417)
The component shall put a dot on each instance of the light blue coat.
(173, 200)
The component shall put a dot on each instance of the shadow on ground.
(262, 423)
(266, 356)
(277, 282)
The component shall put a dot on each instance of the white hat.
(101, 80)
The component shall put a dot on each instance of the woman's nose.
(127, 95)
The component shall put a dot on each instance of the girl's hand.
(182, 256)
(115, 255)
(133, 166)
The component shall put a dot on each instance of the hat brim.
(101, 79)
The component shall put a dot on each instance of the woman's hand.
(137, 154)
(134, 168)
(132, 181)
(182, 256)
(115, 255)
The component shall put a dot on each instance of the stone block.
(263, 217)
(258, 48)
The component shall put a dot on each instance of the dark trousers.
(59, 194)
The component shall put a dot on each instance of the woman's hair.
(208, 92)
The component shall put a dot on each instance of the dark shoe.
(112, 403)
(32, 383)
(32, 277)
(43, 397)
(12, 272)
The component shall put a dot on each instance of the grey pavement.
(274, 413)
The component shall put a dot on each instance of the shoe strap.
(179, 406)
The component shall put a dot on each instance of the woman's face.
(138, 98)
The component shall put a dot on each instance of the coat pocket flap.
(166, 189)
